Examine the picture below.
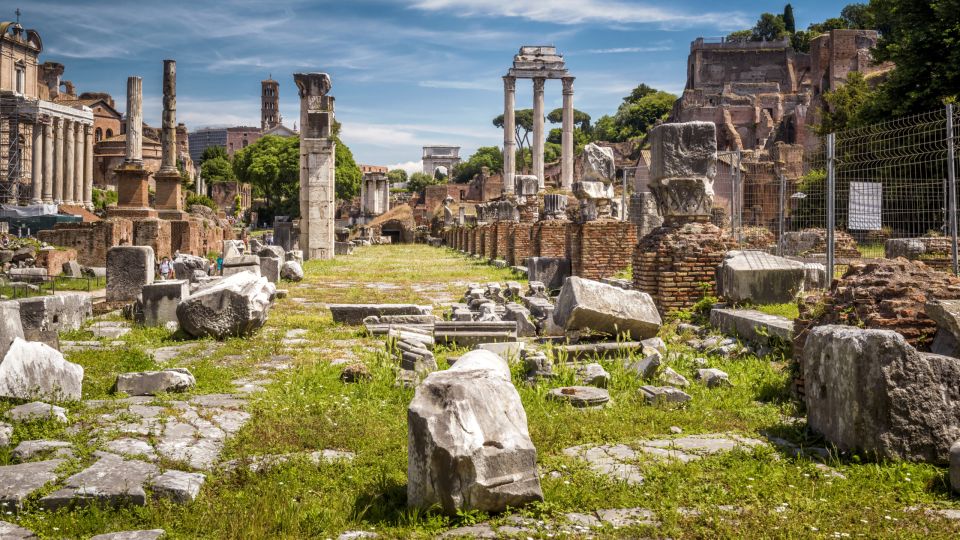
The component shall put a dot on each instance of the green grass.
(308, 408)
(789, 310)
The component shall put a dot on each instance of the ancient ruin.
(316, 166)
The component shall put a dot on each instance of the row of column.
(62, 170)
(509, 133)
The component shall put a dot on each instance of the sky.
(405, 73)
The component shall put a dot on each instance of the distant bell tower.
(269, 104)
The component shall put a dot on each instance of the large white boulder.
(33, 370)
(236, 305)
(468, 443)
(584, 303)
(291, 270)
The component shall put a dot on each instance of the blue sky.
(405, 73)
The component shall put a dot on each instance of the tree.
(769, 27)
(272, 167)
(397, 176)
(580, 119)
(641, 91)
(418, 181)
(789, 23)
(845, 106)
(485, 156)
(211, 152)
(217, 169)
(833, 23)
(858, 16)
(523, 125)
(348, 175)
(740, 35)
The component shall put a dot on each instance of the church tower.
(269, 104)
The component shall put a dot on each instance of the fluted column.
(538, 139)
(78, 165)
(69, 149)
(566, 146)
(134, 144)
(36, 170)
(58, 164)
(48, 157)
(88, 167)
(509, 134)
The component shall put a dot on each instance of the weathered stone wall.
(814, 242)
(53, 259)
(154, 233)
(90, 240)
(678, 265)
(550, 238)
(601, 248)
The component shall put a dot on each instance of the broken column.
(468, 443)
(132, 189)
(129, 268)
(169, 201)
(674, 261)
(316, 166)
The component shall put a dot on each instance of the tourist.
(220, 264)
(165, 268)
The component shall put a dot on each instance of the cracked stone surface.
(19, 481)
(9, 531)
(112, 480)
(620, 461)
(37, 410)
(151, 534)
(178, 486)
(27, 450)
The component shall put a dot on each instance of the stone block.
(232, 306)
(946, 313)
(151, 383)
(44, 317)
(468, 443)
(683, 150)
(129, 268)
(869, 390)
(158, 301)
(53, 259)
(270, 268)
(551, 271)
(32, 370)
(291, 271)
(759, 278)
(11, 326)
(598, 163)
(28, 275)
(752, 326)
(72, 269)
(353, 314)
(241, 263)
(590, 304)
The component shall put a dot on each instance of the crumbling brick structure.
(91, 240)
(601, 248)
(550, 238)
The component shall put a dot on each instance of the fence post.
(952, 187)
(783, 192)
(831, 203)
(736, 216)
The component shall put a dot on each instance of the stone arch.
(398, 231)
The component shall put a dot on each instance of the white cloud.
(409, 166)
(483, 84)
(619, 50)
(579, 11)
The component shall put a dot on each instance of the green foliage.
(272, 167)
(212, 152)
(485, 156)
(638, 113)
(846, 106)
(769, 27)
(523, 125)
(789, 23)
(581, 119)
(858, 16)
(202, 200)
(740, 35)
(103, 198)
(218, 169)
(397, 176)
(418, 181)
(186, 179)
(348, 175)
(833, 23)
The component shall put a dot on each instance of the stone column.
(566, 142)
(538, 139)
(386, 195)
(364, 205)
(78, 165)
(58, 161)
(69, 149)
(168, 196)
(36, 170)
(48, 158)
(316, 166)
(509, 134)
(134, 144)
(88, 167)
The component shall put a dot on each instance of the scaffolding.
(12, 158)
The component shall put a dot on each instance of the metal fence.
(852, 193)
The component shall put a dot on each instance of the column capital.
(538, 83)
(88, 129)
(567, 84)
(509, 83)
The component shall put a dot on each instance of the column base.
(129, 212)
(172, 215)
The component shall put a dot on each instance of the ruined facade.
(437, 156)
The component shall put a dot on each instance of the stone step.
(752, 326)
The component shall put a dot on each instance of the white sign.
(866, 205)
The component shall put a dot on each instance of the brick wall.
(519, 243)
(154, 233)
(673, 263)
(601, 248)
(550, 238)
(90, 240)
(53, 259)
(503, 229)
(489, 241)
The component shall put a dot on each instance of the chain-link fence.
(885, 190)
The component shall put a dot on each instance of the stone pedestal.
(133, 198)
(169, 200)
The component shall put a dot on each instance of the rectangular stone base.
(130, 212)
(172, 215)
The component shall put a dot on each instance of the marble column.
(69, 149)
(168, 159)
(386, 195)
(88, 167)
(48, 157)
(316, 166)
(134, 145)
(509, 134)
(36, 170)
(58, 174)
(78, 155)
(566, 141)
(538, 138)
